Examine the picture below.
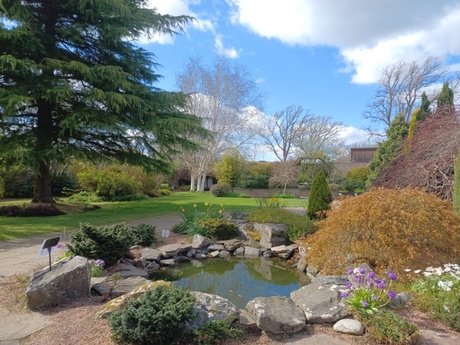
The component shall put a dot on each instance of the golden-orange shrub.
(389, 230)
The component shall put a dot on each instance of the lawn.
(115, 212)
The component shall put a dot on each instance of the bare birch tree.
(225, 97)
(399, 89)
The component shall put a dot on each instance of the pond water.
(238, 280)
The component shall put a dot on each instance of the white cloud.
(369, 34)
(231, 53)
(353, 135)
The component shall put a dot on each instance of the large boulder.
(212, 308)
(112, 288)
(272, 235)
(151, 254)
(321, 300)
(276, 314)
(126, 270)
(171, 250)
(199, 241)
(68, 280)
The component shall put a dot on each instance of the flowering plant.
(366, 292)
(192, 216)
(97, 267)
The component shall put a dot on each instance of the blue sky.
(325, 55)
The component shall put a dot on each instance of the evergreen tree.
(73, 85)
(424, 107)
(389, 148)
(446, 96)
(230, 168)
(320, 196)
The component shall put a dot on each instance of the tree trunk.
(202, 182)
(192, 183)
(42, 185)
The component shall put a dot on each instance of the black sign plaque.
(47, 246)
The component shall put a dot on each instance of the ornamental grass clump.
(191, 218)
(386, 228)
(366, 292)
(438, 291)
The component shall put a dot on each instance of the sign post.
(47, 246)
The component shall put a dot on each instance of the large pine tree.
(72, 84)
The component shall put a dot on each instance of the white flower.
(407, 270)
(445, 285)
(417, 271)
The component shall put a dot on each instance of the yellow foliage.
(388, 229)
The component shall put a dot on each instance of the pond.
(238, 280)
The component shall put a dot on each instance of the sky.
(324, 55)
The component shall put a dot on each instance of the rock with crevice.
(212, 308)
(272, 235)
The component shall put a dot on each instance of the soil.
(76, 323)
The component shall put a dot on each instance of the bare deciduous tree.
(399, 88)
(283, 130)
(283, 174)
(225, 97)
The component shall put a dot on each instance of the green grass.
(115, 212)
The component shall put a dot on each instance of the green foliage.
(214, 333)
(144, 235)
(350, 185)
(446, 96)
(438, 291)
(165, 192)
(298, 225)
(283, 196)
(220, 189)
(386, 327)
(271, 203)
(192, 216)
(424, 107)
(164, 186)
(109, 243)
(388, 149)
(2, 187)
(359, 174)
(47, 116)
(386, 228)
(320, 197)
(84, 197)
(159, 317)
(218, 228)
(130, 197)
(30, 211)
(456, 196)
(230, 168)
(235, 195)
(257, 182)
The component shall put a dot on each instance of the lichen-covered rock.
(68, 279)
(212, 308)
(276, 314)
(121, 301)
(272, 235)
(199, 241)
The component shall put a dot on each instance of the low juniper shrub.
(144, 235)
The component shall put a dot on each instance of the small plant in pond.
(366, 292)
(97, 267)
(438, 292)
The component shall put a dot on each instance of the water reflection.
(238, 280)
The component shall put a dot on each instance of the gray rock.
(224, 254)
(284, 252)
(302, 264)
(126, 270)
(271, 235)
(276, 314)
(429, 337)
(68, 279)
(321, 302)
(268, 254)
(152, 267)
(151, 254)
(214, 254)
(332, 280)
(239, 251)
(191, 253)
(181, 258)
(196, 263)
(231, 245)
(349, 326)
(216, 246)
(212, 308)
(243, 228)
(251, 252)
(171, 250)
(199, 241)
(401, 299)
(168, 262)
(200, 256)
(246, 321)
(122, 286)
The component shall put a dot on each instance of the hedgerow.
(387, 229)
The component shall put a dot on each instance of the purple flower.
(371, 284)
(345, 294)
(59, 246)
(371, 275)
(392, 275)
(391, 295)
(374, 298)
(377, 280)
(364, 304)
(348, 285)
(349, 271)
(100, 263)
(361, 270)
(382, 285)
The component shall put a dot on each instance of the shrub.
(144, 235)
(359, 174)
(298, 225)
(386, 327)
(235, 195)
(214, 333)
(109, 243)
(2, 187)
(192, 216)
(271, 203)
(438, 291)
(220, 189)
(164, 186)
(257, 182)
(159, 317)
(386, 228)
(31, 210)
(184, 188)
(284, 196)
(130, 197)
(456, 195)
(165, 192)
(218, 228)
(84, 197)
(320, 197)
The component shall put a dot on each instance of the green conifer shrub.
(320, 196)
